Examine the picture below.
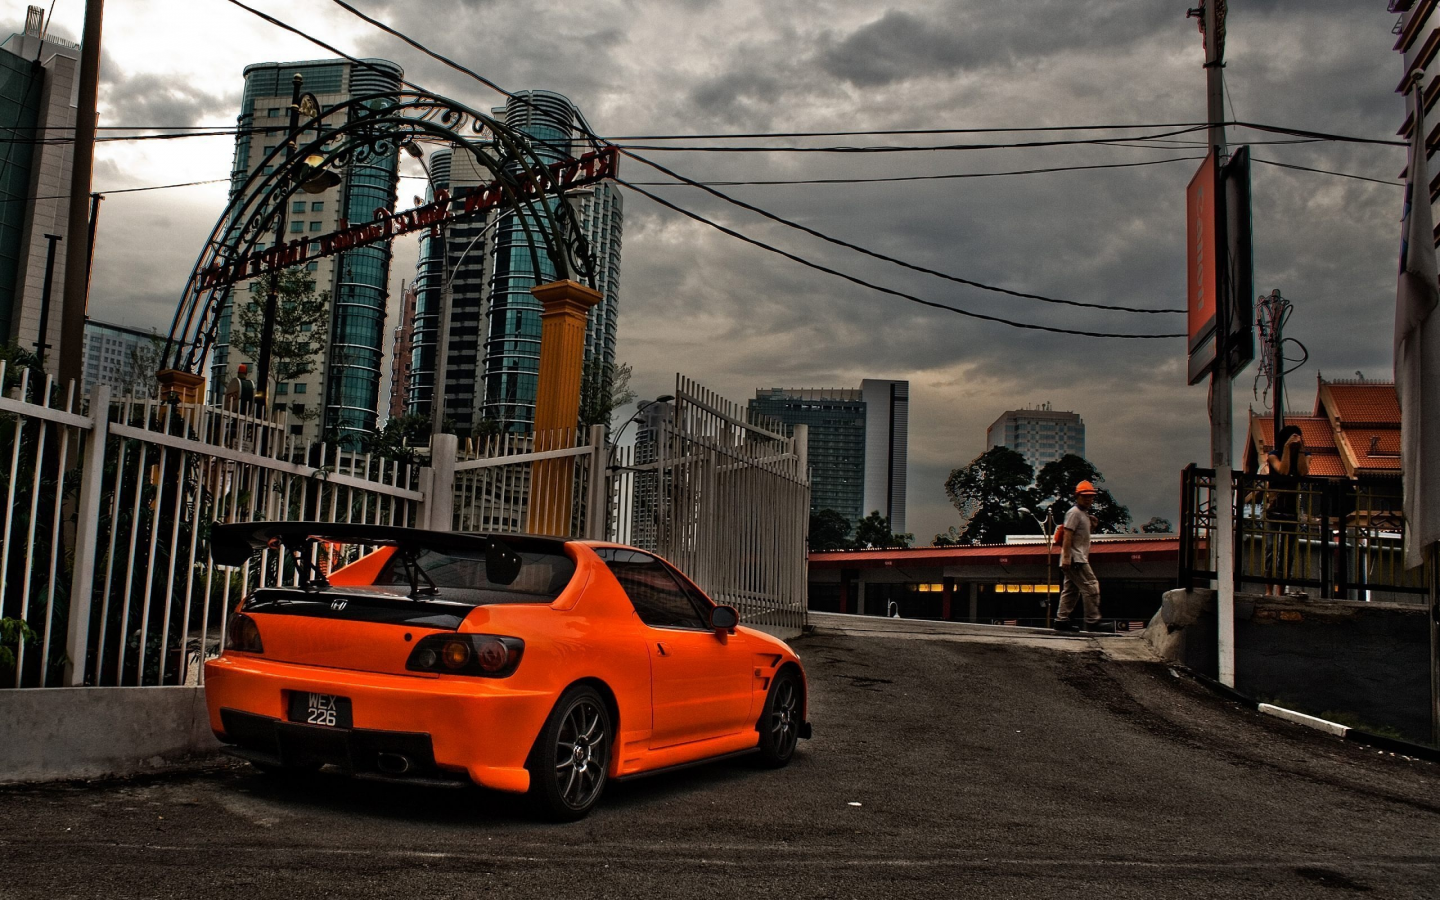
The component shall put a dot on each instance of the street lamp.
(1047, 530)
(615, 441)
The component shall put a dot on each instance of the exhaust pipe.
(392, 763)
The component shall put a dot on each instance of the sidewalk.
(1125, 646)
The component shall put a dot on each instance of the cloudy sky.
(735, 317)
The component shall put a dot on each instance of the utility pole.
(1221, 411)
(1273, 311)
(272, 297)
(42, 345)
(77, 287)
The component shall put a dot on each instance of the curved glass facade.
(429, 278)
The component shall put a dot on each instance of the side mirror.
(724, 618)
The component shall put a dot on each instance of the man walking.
(1080, 580)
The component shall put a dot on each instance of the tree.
(989, 492)
(1056, 484)
(302, 326)
(604, 388)
(139, 373)
(829, 530)
(401, 438)
(1157, 525)
(947, 538)
(874, 531)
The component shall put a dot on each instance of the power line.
(152, 187)
(1269, 162)
(897, 178)
(885, 290)
(969, 282)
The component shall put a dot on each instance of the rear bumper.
(446, 728)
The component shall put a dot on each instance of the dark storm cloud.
(737, 318)
(901, 45)
(143, 99)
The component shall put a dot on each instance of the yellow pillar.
(186, 387)
(565, 306)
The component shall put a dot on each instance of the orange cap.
(1085, 487)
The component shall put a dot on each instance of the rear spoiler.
(235, 543)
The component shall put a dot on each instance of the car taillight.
(244, 635)
(485, 655)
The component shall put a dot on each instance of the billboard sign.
(568, 173)
(1202, 266)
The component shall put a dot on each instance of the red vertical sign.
(1202, 259)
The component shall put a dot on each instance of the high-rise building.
(342, 395)
(857, 444)
(1419, 36)
(887, 447)
(1041, 435)
(493, 323)
(651, 494)
(124, 358)
(404, 346)
(37, 121)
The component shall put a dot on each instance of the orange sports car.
(515, 662)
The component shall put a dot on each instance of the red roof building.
(1354, 431)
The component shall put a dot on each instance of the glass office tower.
(342, 396)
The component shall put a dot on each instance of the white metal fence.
(104, 547)
(105, 552)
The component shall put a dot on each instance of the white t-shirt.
(1077, 525)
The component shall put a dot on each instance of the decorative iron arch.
(364, 128)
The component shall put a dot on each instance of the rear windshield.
(460, 576)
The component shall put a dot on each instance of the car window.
(657, 597)
(461, 576)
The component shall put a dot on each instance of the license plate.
(320, 709)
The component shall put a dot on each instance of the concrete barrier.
(54, 734)
(1363, 665)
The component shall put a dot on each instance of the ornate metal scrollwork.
(352, 133)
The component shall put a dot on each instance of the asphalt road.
(939, 768)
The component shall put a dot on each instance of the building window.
(297, 429)
(311, 267)
(317, 206)
(301, 387)
(314, 226)
(282, 388)
(297, 227)
(297, 206)
(273, 111)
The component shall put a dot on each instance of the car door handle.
(661, 648)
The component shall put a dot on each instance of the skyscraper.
(887, 448)
(1041, 435)
(37, 118)
(858, 444)
(341, 396)
(493, 324)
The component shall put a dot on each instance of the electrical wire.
(1270, 162)
(902, 178)
(882, 289)
(755, 209)
(134, 190)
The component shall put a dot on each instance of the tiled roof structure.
(1354, 430)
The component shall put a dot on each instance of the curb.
(1344, 732)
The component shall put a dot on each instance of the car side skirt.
(636, 776)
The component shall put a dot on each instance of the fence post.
(597, 517)
(87, 527)
(437, 510)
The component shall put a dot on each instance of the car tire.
(570, 762)
(779, 724)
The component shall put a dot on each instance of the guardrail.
(1340, 539)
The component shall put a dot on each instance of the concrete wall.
(51, 734)
(1365, 665)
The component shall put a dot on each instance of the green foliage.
(829, 530)
(1157, 525)
(402, 438)
(1056, 484)
(16, 359)
(12, 633)
(874, 531)
(948, 538)
(302, 324)
(603, 389)
(988, 494)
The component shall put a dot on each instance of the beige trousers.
(1080, 581)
